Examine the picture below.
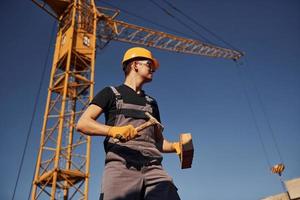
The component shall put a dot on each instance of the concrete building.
(293, 191)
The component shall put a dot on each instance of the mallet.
(187, 150)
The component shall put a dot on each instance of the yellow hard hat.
(139, 52)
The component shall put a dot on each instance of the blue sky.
(204, 96)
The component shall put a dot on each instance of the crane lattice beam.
(110, 29)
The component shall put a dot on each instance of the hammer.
(152, 120)
(187, 150)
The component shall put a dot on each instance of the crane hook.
(278, 169)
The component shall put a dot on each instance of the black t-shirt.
(106, 100)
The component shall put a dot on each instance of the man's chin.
(148, 80)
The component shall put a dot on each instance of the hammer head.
(187, 150)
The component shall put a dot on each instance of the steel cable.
(200, 25)
(144, 19)
(263, 108)
(181, 22)
(33, 115)
(253, 114)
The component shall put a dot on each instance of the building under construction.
(292, 191)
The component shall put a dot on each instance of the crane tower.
(62, 168)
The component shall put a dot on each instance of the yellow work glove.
(177, 148)
(123, 133)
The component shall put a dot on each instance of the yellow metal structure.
(278, 169)
(62, 168)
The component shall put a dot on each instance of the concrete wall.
(293, 187)
(282, 196)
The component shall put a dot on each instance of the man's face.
(145, 69)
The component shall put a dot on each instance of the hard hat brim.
(139, 53)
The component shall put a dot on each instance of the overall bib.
(133, 169)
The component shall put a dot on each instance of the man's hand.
(176, 147)
(123, 133)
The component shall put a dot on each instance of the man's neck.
(133, 83)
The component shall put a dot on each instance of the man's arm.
(170, 147)
(88, 125)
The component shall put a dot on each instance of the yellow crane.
(62, 168)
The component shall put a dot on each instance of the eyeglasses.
(148, 63)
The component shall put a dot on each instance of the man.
(133, 168)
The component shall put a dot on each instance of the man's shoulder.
(150, 98)
(104, 98)
(105, 92)
(110, 88)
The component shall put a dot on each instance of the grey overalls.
(133, 169)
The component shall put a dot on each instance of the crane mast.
(62, 168)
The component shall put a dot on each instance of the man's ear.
(134, 66)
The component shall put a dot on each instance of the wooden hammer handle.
(150, 122)
(144, 125)
(138, 129)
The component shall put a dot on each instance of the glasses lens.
(148, 63)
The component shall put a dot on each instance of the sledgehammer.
(187, 150)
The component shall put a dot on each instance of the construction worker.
(133, 167)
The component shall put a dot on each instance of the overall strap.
(149, 99)
(119, 100)
(131, 110)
